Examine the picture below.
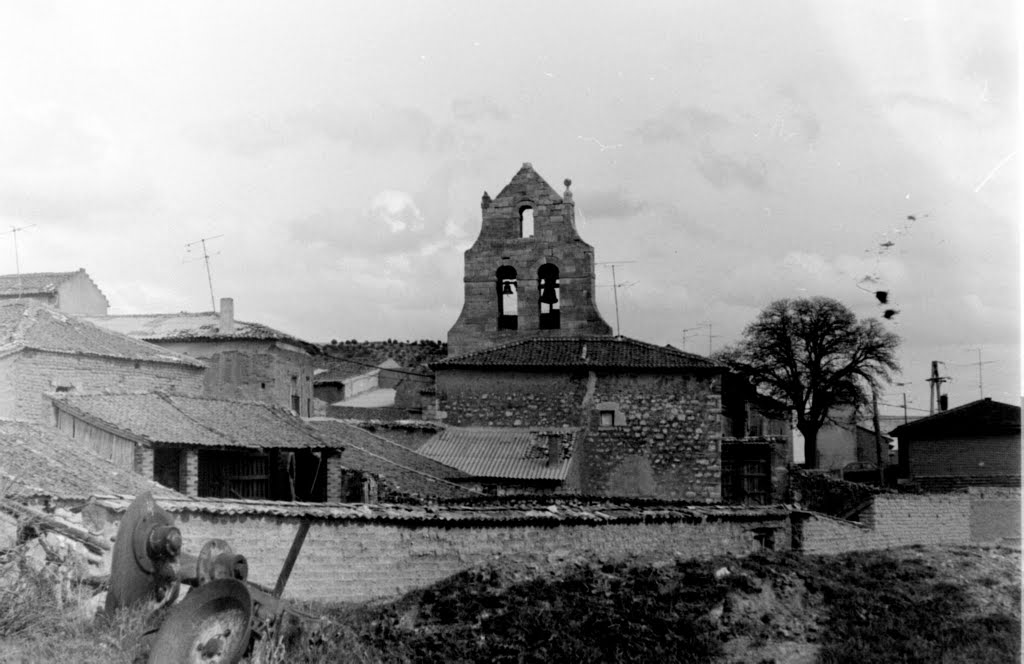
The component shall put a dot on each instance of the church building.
(536, 382)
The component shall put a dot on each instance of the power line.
(615, 291)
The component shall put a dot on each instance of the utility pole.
(206, 259)
(686, 334)
(710, 335)
(904, 400)
(935, 391)
(17, 262)
(878, 437)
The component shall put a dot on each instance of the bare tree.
(813, 354)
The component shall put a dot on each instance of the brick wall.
(982, 456)
(27, 375)
(362, 560)
(891, 520)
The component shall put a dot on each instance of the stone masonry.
(504, 244)
(664, 441)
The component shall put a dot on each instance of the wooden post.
(289, 562)
(878, 438)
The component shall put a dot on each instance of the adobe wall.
(80, 295)
(253, 371)
(995, 514)
(358, 560)
(890, 521)
(29, 374)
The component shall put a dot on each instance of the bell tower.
(529, 273)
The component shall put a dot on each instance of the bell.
(547, 293)
(506, 288)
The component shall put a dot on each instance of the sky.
(724, 154)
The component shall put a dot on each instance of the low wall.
(995, 514)
(362, 552)
(889, 521)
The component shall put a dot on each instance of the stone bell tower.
(529, 273)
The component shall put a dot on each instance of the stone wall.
(889, 521)
(669, 442)
(665, 437)
(26, 376)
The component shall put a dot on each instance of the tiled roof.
(409, 470)
(35, 283)
(579, 352)
(541, 512)
(194, 421)
(502, 452)
(34, 326)
(204, 326)
(38, 461)
(983, 416)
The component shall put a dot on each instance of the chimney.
(943, 402)
(227, 316)
(554, 449)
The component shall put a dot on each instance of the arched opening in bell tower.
(549, 299)
(525, 221)
(508, 297)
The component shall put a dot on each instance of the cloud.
(613, 203)
(378, 128)
(56, 165)
(683, 124)
(723, 170)
(477, 109)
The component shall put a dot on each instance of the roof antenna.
(615, 289)
(206, 258)
(17, 263)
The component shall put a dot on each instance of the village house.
(45, 350)
(204, 446)
(357, 390)
(509, 460)
(976, 444)
(40, 465)
(649, 416)
(375, 468)
(70, 292)
(245, 361)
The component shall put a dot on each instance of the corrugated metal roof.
(38, 461)
(502, 452)
(545, 513)
(613, 353)
(34, 326)
(175, 419)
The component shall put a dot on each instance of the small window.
(610, 415)
(526, 221)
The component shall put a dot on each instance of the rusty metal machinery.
(214, 622)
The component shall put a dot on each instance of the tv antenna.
(981, 384)
(17, 262)
(686, 333)
(206, 259)
(711, 336)
(615, 290)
